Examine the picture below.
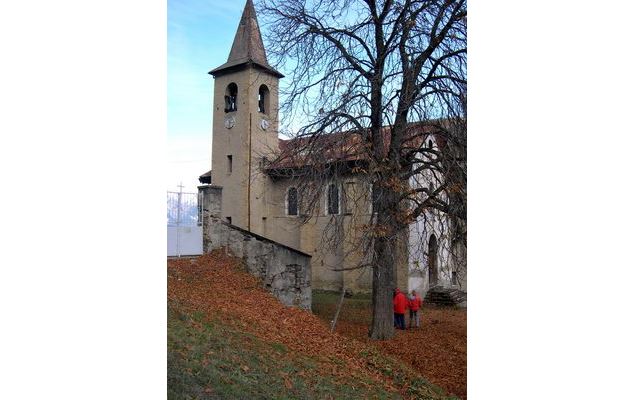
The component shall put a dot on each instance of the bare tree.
(371, 83)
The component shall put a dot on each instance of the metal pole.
(178, 221)
(337, 313)
(249, 180)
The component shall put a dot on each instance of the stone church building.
(262, 199)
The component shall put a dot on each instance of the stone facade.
(284, 271)
(309, 235)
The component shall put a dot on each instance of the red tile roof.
(341, 147)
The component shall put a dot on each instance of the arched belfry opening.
(263, 99)
(433, 269)
(231, 97)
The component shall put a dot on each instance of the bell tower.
(245, 127)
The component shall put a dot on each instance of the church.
(262, 197)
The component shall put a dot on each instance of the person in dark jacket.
(399, 306)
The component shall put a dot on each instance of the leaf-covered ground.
(438, 350)
(212, 294)
(209, 360)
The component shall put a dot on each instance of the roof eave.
(229, 67)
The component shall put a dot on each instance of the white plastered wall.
(430, 222)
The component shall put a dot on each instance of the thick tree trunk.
(383, 284)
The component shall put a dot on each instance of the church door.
(432, 261)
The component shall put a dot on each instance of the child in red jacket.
(414, 304)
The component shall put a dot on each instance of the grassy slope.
(255, 348)
(213, 361)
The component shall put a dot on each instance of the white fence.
(185, 232)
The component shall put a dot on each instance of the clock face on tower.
(230, 122)
(264, 124)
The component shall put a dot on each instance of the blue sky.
(200, 35)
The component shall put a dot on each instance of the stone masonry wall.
(284, 271)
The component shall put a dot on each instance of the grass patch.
(279, 347)
(355, 309)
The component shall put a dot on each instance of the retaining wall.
(284, 271)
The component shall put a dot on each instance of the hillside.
(228, 338)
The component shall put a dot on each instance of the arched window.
(333, 199)
(263, 99)
(231, 97)
(433, 272)
(292, 201)
(429, 144)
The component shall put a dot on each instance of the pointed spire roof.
(247, 47)
(248, 41)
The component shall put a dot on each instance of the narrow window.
(229, 164)
(349, 194)
(231, 97)
(455, 279)
(292, 201)
(430, 144)
(374, 201)
(229, 219)
(333, 199)
(263, 99)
